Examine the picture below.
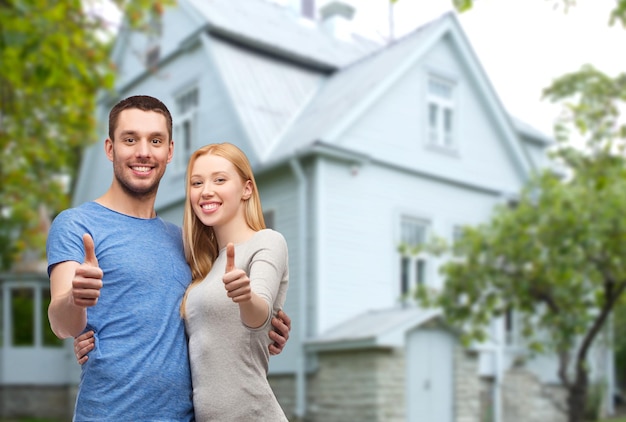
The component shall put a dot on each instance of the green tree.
(53, 62)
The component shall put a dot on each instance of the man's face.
(140, 151)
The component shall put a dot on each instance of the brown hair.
(200, 243)
(141, 102)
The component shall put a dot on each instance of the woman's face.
(217, 192)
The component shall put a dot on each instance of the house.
(357, 147)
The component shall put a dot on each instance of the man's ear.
(171, 152)
(108, 148)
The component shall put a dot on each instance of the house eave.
(345, 345)
(322, 149)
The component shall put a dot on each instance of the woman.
(240, 276)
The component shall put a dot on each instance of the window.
(441, 120)
(457, 234)
(185, 131)
(413, 263)
(28, 316)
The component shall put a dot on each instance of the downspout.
(301, 363)
(499, 370)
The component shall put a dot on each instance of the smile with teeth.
(141, 169)
(210, 206)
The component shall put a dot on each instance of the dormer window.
(441, 115)
(185, 131)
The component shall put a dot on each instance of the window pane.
(447, 126)
(404, 274)
(457, 233)
(433, 129)
(413, 232)
(433, 113)
(23, 316)
(49, 339)
(439, 89)
(420, 271)
(186, 135)
(188, 101)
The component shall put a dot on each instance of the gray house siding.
(279, 194)
(357, 224)
(394, 128)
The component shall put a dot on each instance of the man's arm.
(73, 288)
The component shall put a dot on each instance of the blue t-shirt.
(139, 370)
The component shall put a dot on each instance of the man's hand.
(280, 334)
(87, 280)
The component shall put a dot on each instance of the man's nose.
(143, 148)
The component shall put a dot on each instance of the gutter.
(301, 361)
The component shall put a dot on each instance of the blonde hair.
(200, 243)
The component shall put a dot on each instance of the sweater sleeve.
(268, 269)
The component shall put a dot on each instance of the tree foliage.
(54, 59)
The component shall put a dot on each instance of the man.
(119, 270)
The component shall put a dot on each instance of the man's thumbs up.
(90, 251)
(87, 280)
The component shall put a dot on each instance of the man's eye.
(156, 141)
(129, 140)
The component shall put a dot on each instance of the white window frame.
(441, 113)
(185, 130)
(414, 269)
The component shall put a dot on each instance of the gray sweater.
(229, 361)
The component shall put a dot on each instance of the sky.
(523, 45)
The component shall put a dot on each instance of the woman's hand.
(83, 344)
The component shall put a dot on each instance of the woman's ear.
(247, 190)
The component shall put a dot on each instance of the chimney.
(300, 8)
(308, 9)
(336, 18)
